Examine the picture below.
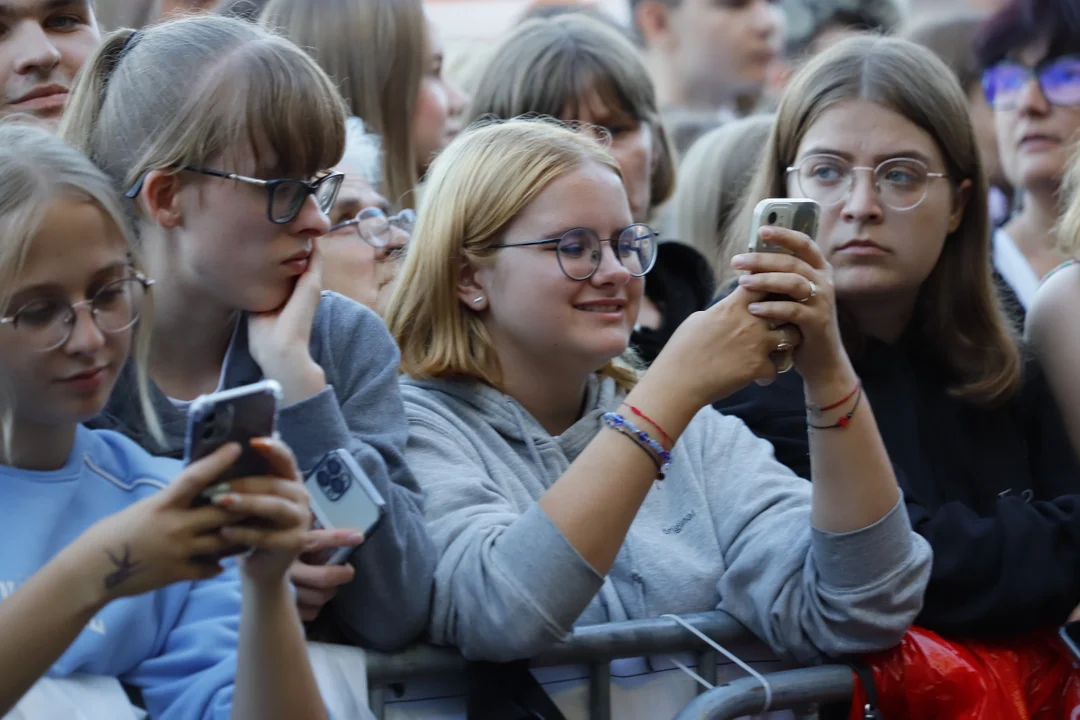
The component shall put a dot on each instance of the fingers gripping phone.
(793, 214)
(236, 415)
(342, 498)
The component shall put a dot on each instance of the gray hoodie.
(728, 529)
(386, 605)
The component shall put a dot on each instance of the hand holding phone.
(342, 498)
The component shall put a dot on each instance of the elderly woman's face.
(354, 267)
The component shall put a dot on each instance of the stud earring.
(478, 299)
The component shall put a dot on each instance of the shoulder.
(347, 323)
(431, 401)
(123, 463)
(1054, 306)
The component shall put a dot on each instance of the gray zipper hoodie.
(728, 529)
(386, 604)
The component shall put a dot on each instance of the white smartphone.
(236, 415)
(342, 498)
(794, 214)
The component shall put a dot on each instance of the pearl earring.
(478, 299)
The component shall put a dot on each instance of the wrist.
(84, 575)
(299, 379)
(667, 405)
(824, 389)
(277, 589)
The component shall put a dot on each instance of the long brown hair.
(958, 316)
(374, 51)
(548, 67)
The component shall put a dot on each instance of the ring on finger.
(813, 292)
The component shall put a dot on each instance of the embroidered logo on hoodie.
(678, 527)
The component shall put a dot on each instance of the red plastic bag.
(930, 678)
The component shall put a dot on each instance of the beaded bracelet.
(661, 456)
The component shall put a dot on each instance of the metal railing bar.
(790, 688)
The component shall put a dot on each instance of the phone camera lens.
(772, 218)
(334, 466)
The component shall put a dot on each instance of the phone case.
(794, 214)
(342, 497)
(236, 415)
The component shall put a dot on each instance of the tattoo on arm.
(126, 567)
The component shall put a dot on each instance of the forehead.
(76, 238)
(26, 8)
(356, 189)
(865, 130)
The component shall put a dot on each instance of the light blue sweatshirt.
(728, 529)
(178, 644)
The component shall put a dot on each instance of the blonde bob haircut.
(374, 50)
(958, 316)
(555, 66)
(1068, 227)
(476, 187)
(204, 90)
(36, 170)
(714, 176)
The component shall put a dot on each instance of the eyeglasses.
(901, 183)
(47, 323)
(579, 250)
(376, 229)
(285, 197)
(1058, 79)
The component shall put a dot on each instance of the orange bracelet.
(667, 438)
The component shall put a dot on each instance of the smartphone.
(794, 214)
(342, 498)
(799, 215)
(1070, 635)
(236, 415)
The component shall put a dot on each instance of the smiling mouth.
(599, 308)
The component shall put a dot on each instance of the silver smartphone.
(342, 498)
(236, 415)
(794, 214)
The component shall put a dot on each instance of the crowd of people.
(520, 298)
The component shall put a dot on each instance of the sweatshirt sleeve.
(386, 605)
(806, 592)
(192, 675)
(517, 566)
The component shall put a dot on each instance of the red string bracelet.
(817, 410)
(667, 438)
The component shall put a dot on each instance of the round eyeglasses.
(285, 197)
(901, 183)
(1058, 78)
(580, 250)
(376, 229)
(46, 323)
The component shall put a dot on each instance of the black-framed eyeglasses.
(580, 250)
(901, 183)
(1058, 79)
(47, 323)
(376, 229)
(285, 197)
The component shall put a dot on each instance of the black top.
(680, 283)
(996, 492)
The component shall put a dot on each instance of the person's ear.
(961, 197)
(653, 21)
(471, 288)
(160, 198)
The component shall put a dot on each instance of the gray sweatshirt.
(386, 605)
(728, 529)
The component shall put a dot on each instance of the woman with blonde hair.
(1052, 328)
(562, 488)
(386, 57)
(714, 176)
(877, 131)
(221, 136)
(107, 568)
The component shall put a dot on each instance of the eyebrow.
(878, 159)
(51, 288)
(9, 11)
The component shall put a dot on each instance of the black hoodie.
(996, 492)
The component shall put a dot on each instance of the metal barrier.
(790, 689)
(595, 645)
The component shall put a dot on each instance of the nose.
(610, 271)
(311, 221)
(1031, 100)
(764, 18)
(862, 203)
(398, 239)
(34, 50)
(86, 337)
(457, 97)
